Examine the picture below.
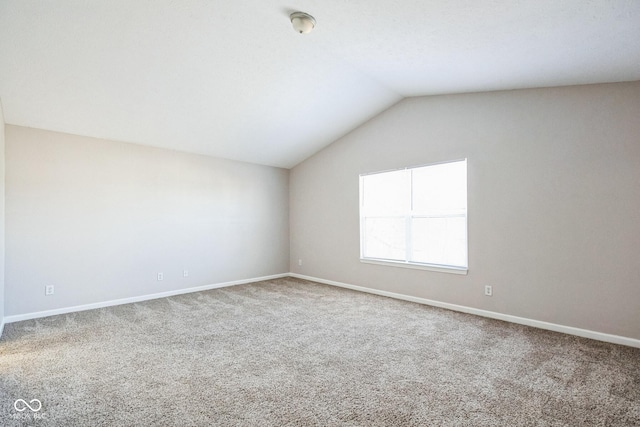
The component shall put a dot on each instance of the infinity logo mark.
(24, 405)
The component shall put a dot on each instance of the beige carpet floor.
(293, 353)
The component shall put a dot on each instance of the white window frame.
(409, 214)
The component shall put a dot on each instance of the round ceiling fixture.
(302, 22)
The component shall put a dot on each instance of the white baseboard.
(615, 339)
(585, 333)
(64, 310)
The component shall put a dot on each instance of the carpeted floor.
(290, 352)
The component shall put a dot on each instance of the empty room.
(320, 213)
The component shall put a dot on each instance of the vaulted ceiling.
(232, 79)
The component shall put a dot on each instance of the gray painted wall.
(2, 233)
(553, 196)
(99, 219)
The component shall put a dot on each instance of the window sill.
(429, 267)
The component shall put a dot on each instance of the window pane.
(385, 193)
(417, 215)
(384, 238)
(440, 188)
(440, 241)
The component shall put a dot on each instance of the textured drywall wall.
(99, 219)
(2, 232)
(553, 199)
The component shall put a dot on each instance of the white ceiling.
(232, 79)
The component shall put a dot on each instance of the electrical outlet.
(300, 262)
(48, 290)
(160, 277)
(185, 273)
(488, 290)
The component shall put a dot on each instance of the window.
(416, 217)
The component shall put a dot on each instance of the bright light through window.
(415, 216)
